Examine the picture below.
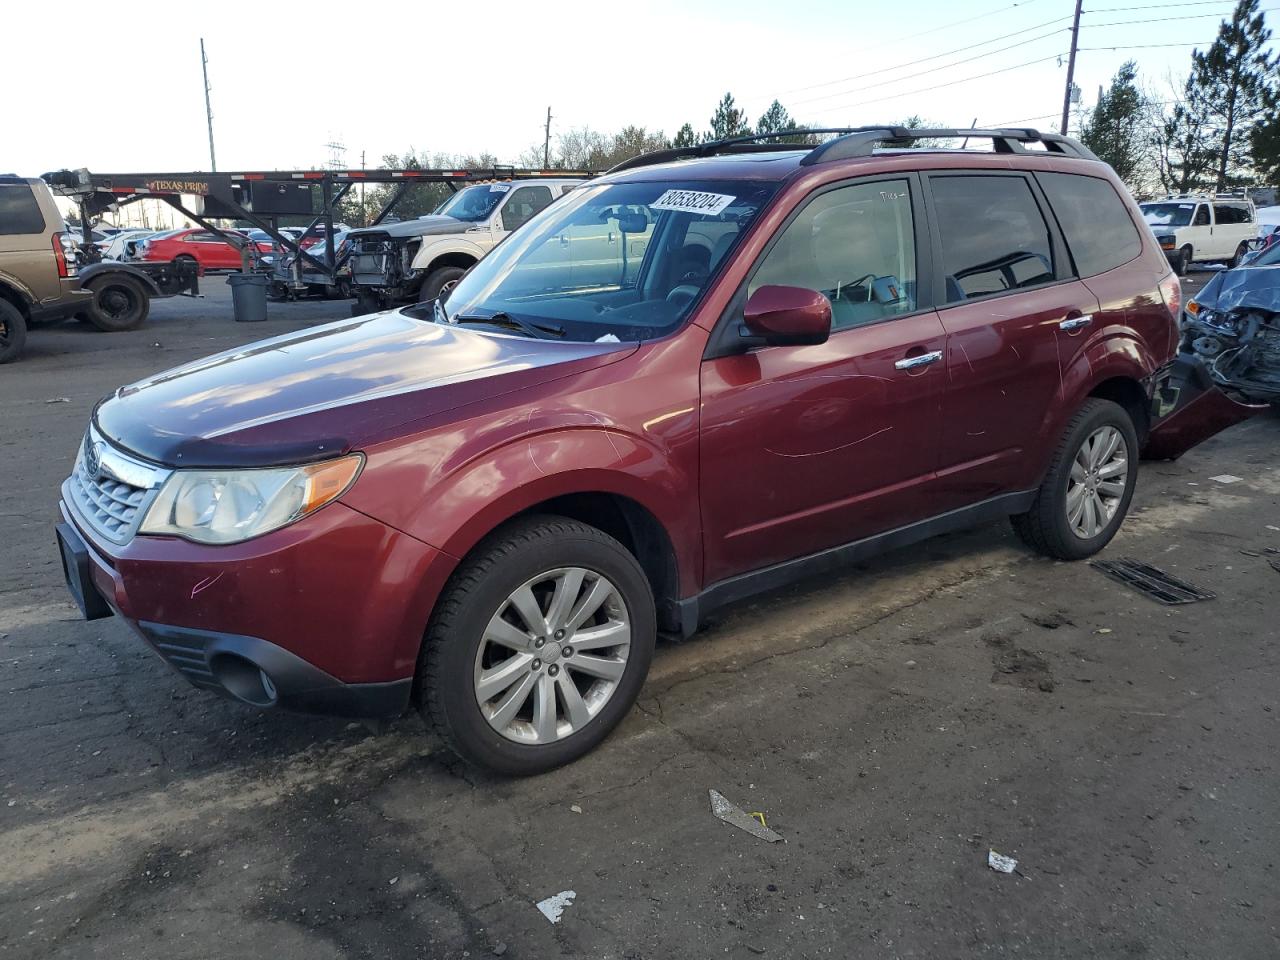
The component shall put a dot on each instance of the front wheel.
(119, 303)
(538, 647)
(439, 282)
(1085, 495)
(1182, 263)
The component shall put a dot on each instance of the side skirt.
(692, 610)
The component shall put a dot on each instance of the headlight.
(228, 506)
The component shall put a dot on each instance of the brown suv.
(38, 261)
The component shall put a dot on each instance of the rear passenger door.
(1007, 299)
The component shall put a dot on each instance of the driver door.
(808, 447)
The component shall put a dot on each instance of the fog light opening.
(244, 680)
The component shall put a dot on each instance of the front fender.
(433, 248)
(451, 493)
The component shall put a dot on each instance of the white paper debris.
(553, 907)
(737, 817)
(608, 338)
(1001, 863)
(1226, 478)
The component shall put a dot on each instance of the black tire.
(277, 292)
(1045, 527)
(438, 281)
(119, 303)
(479, 589)
(13, 332)
(1240, 255)
(365, 304)
(185, 258)
(1182, 263)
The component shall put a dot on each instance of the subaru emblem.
(93, 461)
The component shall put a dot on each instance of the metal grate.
(1151, 581)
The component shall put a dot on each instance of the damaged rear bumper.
(1189, 407)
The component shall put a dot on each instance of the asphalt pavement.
(893, 724)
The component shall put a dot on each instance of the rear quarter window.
(19, 211)
(1095, 221)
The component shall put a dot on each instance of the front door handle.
(1075, 323)
(922, 360)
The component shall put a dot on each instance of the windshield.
(1168, 214)
(619, 260)
(474, 203)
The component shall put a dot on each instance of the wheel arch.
(1128, 393)
(16, 293)
(97, 271)
(446, 252)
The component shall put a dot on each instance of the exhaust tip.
(245, 680)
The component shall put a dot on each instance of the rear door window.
(1098, 230)
(19, 211)
(994, 237)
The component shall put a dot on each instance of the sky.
(287, 79)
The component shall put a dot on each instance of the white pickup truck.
(417, 260)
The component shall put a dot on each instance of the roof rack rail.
(862, 142)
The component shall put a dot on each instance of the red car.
(678, 386)
(205, 248)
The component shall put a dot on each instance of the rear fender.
(21, 294)
(106, 268)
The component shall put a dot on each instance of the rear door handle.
(923, 360)
(1075, 323)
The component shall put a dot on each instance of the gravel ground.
(893, 725)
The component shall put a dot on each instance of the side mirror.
(788, 316)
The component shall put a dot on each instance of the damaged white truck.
(417, 260)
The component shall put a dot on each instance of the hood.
(328, 390)
(1244, 288)
(421, 227)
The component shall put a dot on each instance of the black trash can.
(249, 296)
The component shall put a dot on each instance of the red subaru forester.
(706, 374)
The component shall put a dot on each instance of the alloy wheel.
(552, 655)
(1096, 486)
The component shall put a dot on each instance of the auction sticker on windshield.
(692, 201)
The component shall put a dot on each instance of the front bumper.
(326, 615)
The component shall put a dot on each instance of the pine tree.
(729, 120)
(685, 137)
(1264, 140)
(775, 119)
(1114, 128)
(1233, 78)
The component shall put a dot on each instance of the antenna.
(208, 108)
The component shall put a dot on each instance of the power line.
(941, 67)
(1190, 16)
(945, 66)
(1165, 6)
(924, 33)
(1147, 46)
(938, 86)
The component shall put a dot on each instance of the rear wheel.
(183, 259)
(1085, 495)
(439, 281)
(13, 331)
(1182, 263)
(538, 646)
(1240, 255)
(119, 303)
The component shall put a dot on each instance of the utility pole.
(1071, 68)
(546, 144)
(208, 108)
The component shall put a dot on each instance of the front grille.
(111, 490)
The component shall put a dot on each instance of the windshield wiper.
(539, 331)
